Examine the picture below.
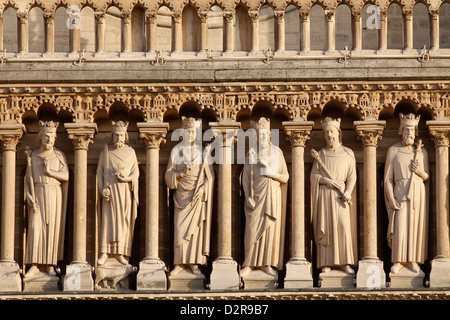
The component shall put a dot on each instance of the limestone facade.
(226, 88)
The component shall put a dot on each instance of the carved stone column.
(224, 275)
(126, 31)
(79, 273)
(370, 269)
(357, 30)
(305, 43)
(382, 32)
(408, 23)
(434, 29)
(75, 32)
(1, 31)
(254, 18)
(151, 30)
(22, 18)
(10, 281)
(152, 270)
(331, 30)
(298, 269)
(177, 32)
(228, 35)
(100, 30)
(279, 29)
(440, 266)
(203, 21)
(49, 21)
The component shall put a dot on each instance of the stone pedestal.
(336, 279)
(298, 275)
(370, 274)
(186, 281)
(440, 273)
(78, 278)
(41, 282)
(224, 275)
(407, 279)
(259, 280)
(151, 276)
(10, 280)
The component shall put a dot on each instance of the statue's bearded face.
(408, 135)
(331, 136)
(48, 140)
(263, 139)
(119, 138)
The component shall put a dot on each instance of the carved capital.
(279, 15)
(151, 16)
(126, 17)
(370, 131)
(22, 17)
(81, 134)
(298, 132)
(253, 15)
(203, 16)
(228, 16)
(153, 133)
(176, 16)
(10, 135)
(439, 131)
(99, 17)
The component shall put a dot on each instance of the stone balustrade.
(57, 28)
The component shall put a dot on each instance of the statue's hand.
(396, 204)
(106, 193)
(346, 197)
(417, 169)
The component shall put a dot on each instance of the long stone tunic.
(264, 224)
(330, 215)
(192, 218)
(118, 215)
(407, 226)
(45, 235)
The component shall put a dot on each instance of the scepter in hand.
(29, 177)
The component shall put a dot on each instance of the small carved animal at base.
(112, 273)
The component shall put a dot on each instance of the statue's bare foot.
(32, 271)
(51, 271)
(176, 270)
(414, 267)
(245, 271)
(122, 259)
(348, 269)
(102, 259)
(195, 270)
(269, 270)
(326, 269)
(395, 267)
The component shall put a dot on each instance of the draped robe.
(46, 226)
(407, 234)
(264, 224)
(118, 215)
(192, 218)
(330, 215)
